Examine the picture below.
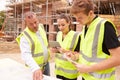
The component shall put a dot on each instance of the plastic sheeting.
(12, 70)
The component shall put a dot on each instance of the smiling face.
(63, 25)
(32, 22)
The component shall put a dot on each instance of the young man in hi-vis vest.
(99, 45)
(33, 45)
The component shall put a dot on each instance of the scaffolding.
(45, 9)
(15, 23)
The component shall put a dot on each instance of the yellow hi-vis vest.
(37, 44)
(91, 51)
(64, 67)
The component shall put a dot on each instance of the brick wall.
(115, 19)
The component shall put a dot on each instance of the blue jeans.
(47, 69)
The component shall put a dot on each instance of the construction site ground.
(11, 50)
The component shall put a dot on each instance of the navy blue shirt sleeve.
(78, 45)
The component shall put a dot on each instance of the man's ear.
(91, 13)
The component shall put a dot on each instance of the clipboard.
(54, 44)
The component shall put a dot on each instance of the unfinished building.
(48, 10)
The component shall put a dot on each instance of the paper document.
(13, 70)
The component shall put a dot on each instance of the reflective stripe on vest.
(45, 51)
(33, 47)
(73, 40)
(71, 46)
(94, 57)
(32, 42)
(94, 47)
(60, 56)
(68, 71)
(99, 76)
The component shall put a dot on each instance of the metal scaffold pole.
(31, 5)
(46, 18)
(98, 7)
(15, 27)
(22, 14)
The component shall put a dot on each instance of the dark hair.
(67, 18)
(82, 5)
